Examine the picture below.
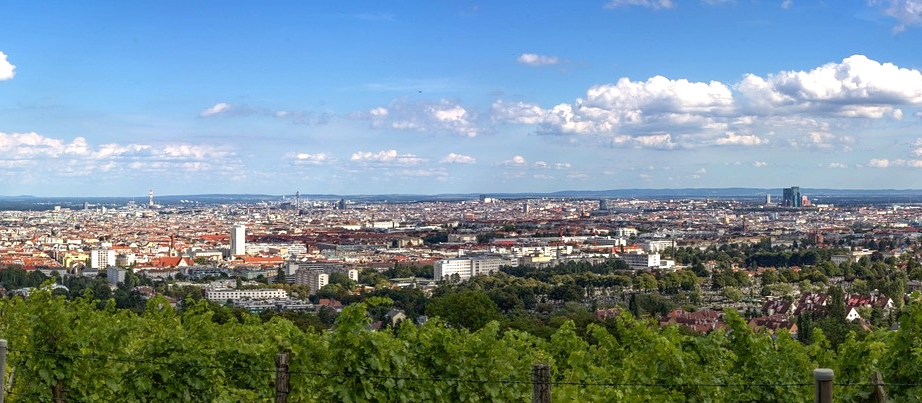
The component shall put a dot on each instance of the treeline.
(69, 350)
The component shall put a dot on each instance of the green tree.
(468, 309)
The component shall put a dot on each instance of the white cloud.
(517, 160)
(656, 141)
(654, 4)
(7, 69)
(217, 109)
(906, 12)
(801, 109)
(313, 159)
(822, 140)
(744, 140)
(856, 87)
(562, 165)
(453, 158)
(518, 112)
(909, 163)
(535, 60)
(43, 154)
(629, 108)
(701, 171)
(386, 157)
(837, 165)
(759, 164)
(378, 112)
(786, 4)
(885, 163)
(444, 115)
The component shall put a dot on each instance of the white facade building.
(100, 259)
(656, 246)
(238, 240)
(468, 266)
(641, 261)
(446, 268)
(235, 295)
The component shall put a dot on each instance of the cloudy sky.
(112, 98)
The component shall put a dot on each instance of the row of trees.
(69, 350)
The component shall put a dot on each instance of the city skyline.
(113, 99)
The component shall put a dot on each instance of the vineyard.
(72, 351)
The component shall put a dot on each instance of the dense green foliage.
(81, 353)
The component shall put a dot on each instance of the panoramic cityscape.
(620, 200)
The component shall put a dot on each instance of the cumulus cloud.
(759, 164)
(906, 12)
(386, 157)
(453, 158)
(837, 165)
(215, 110)
(654, 4)
(802, 109)
(744, 140)
(312, 159)
(629, 108)
(656, 141)
(535, 60)
(7, 69)
(444, 115)
(516, 161)
(886, 163)
(856, 87)
(39, 153)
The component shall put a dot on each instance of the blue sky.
(112, 98)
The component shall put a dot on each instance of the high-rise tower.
(791, 197)
(238, 240)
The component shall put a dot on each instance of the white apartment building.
(447, 268)
(102, 258)
(641, 261)
(238, 240)
(213, 294)
(313, 279)
(657, 246)
(468, 266)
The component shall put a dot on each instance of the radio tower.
(297, 200)
(151, 203)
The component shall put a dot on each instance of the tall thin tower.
(238, 240)
(151, 203)
(297, 199)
